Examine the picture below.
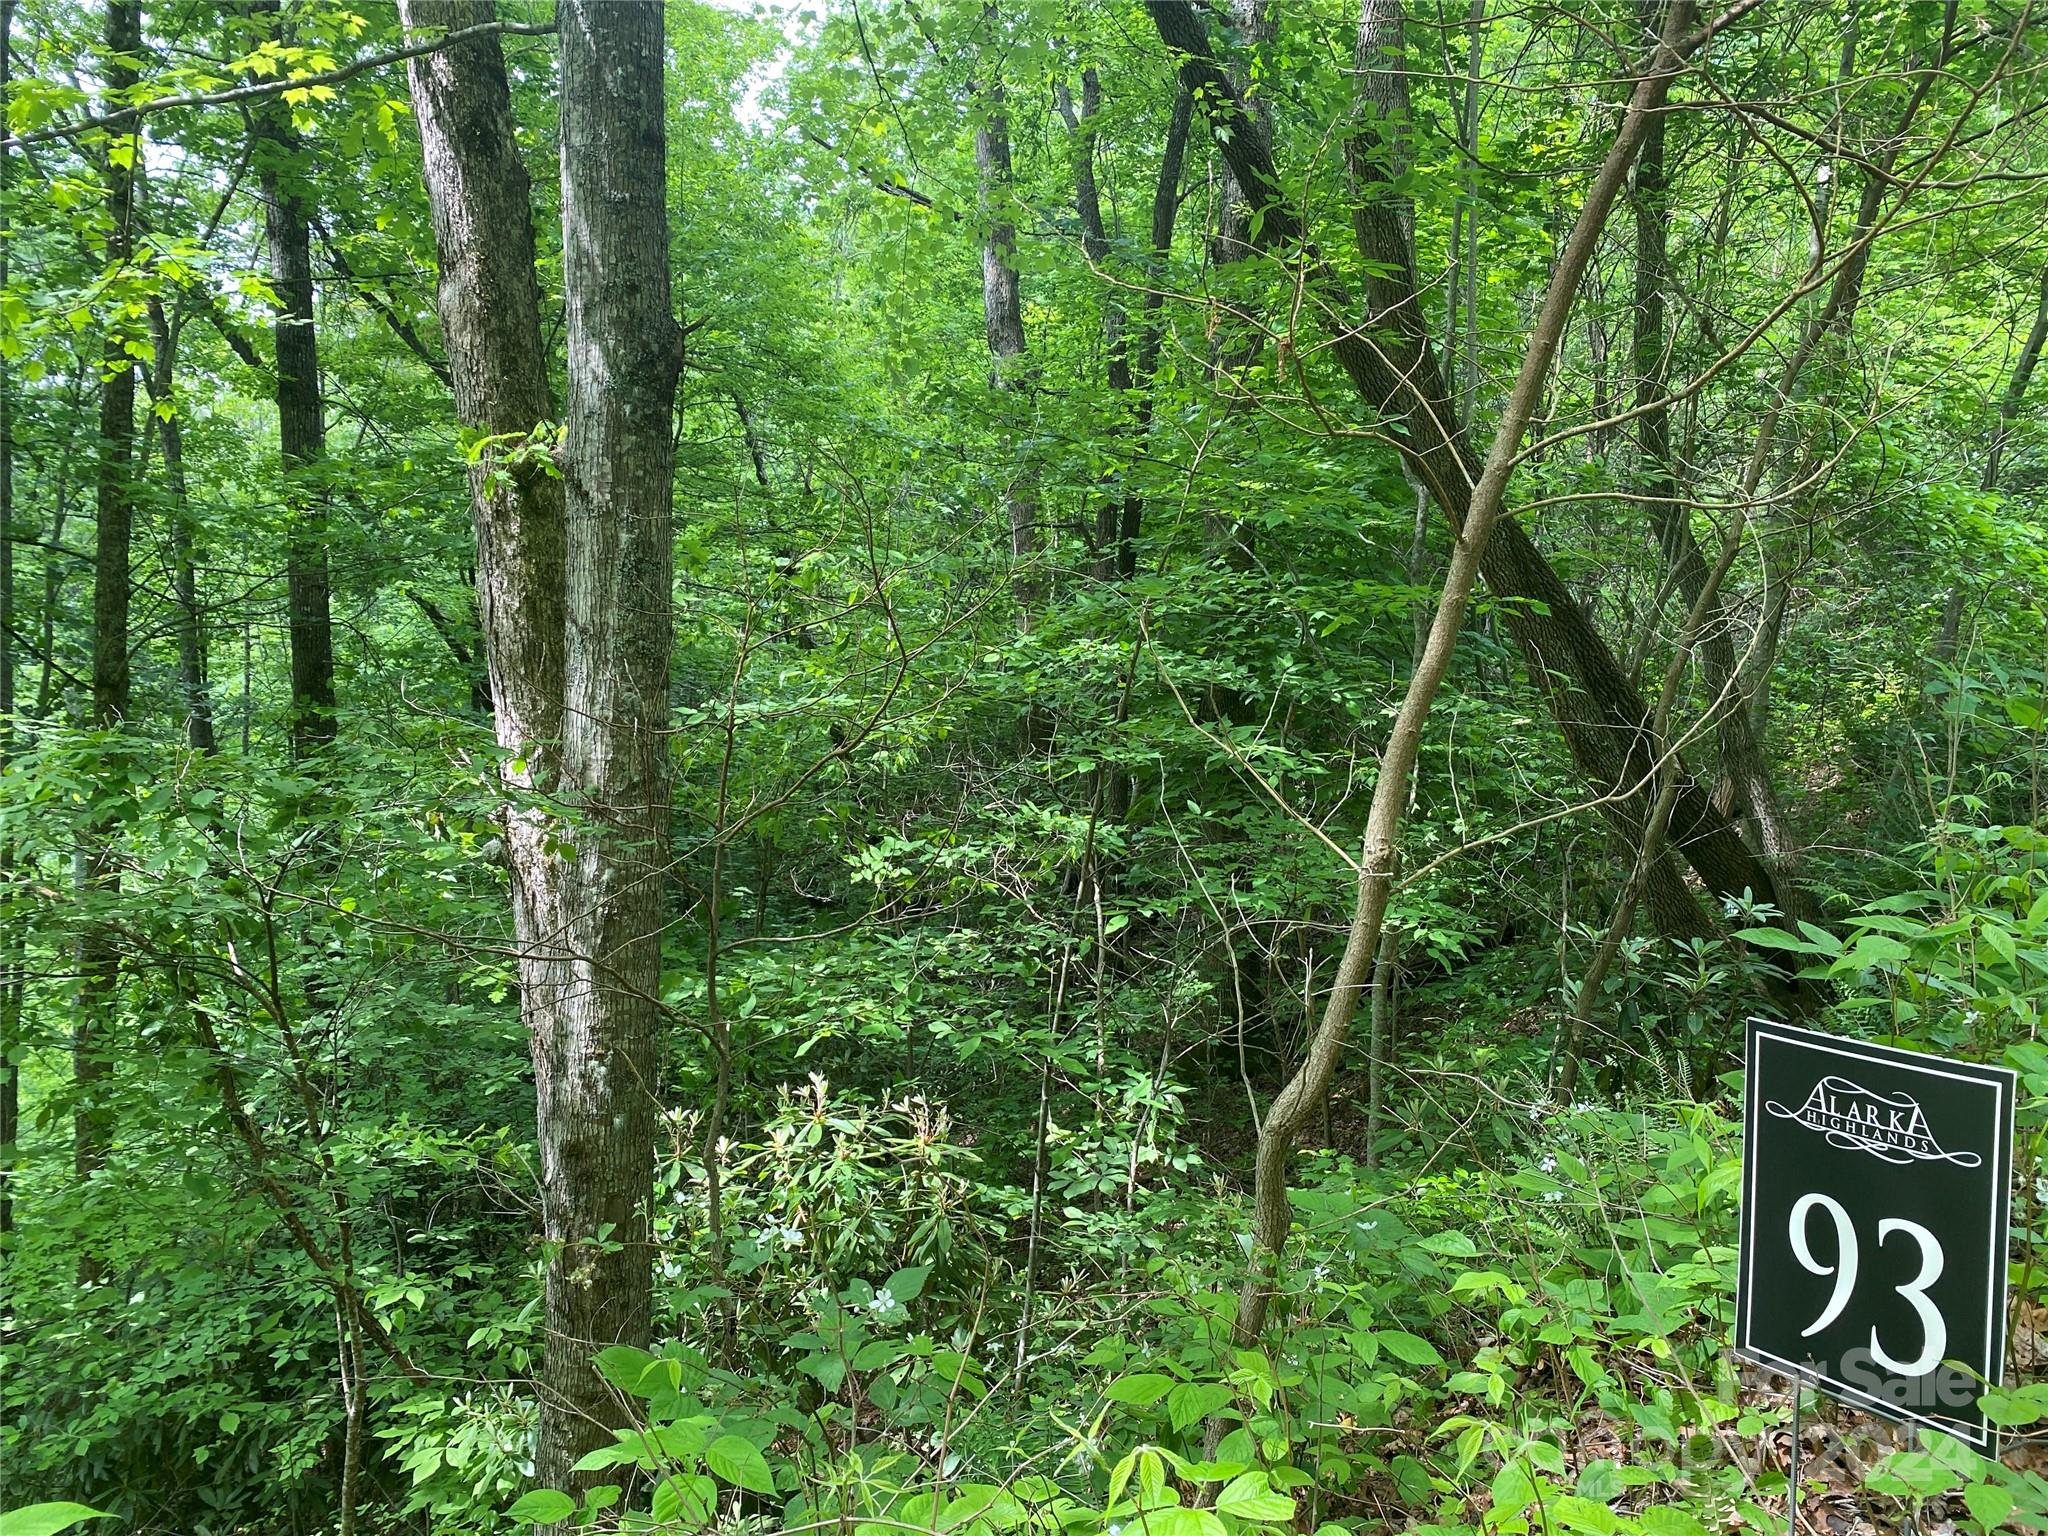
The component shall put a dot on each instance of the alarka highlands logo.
(1893, 1129)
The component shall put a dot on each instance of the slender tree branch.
(259, 89)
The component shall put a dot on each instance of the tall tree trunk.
(1391, 360)
(1385, 1018)
(624, 353)
(1475, 46)
(1088, 207)
(187, 623)
(301, 426)
(1128, 372)
(1754, 800)
(1239, 337)
(1152, 322)
(98, 959)
(574, 592)
(1130, 365)
(55, 571)
(1095, 246)
(1003, 312)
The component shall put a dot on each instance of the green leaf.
(1777, 938)
(986, 1505)
(1209, 1471)
(738, 1462)
(1911, 1472)
(2007, 1408)
(907, 1284)
(628, 1368)
(1513, 1491)
(877, 1353)
(1152, 1480)
(1140, 1391)
(1179, 1521)
(1604, 1480)
(1988, 1505)
(1193, 1400)
(1873, 950)
(1250, 1498)
(48, 1519)
(543, 1506)
(1953, 1454)
(663, 1445)
(1545, 1457)
(1120, 1476)
(1411, 1478)
(1662, 1520)
(597, 1460)
(1409, 1347)
(1825, 942)
(688, 1499)
(1573, 1513)
(830, 1370)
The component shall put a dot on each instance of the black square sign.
(1875, 1196)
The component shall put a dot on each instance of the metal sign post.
(1876, 1189)
(1792, 1466)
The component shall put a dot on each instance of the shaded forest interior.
(994, 766)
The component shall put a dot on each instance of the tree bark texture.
(188, 623)
(1390, 359)
(1240, 336)
(1151, 326)
(1003, 311)
(114, 501)
(574, 594)
(301, 427)
(1095, 246)
(1129, 365)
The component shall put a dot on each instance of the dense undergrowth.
(1008, 877)
(1506, 1314)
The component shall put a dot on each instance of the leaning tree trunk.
(574, 594)
(1391, 361)
(112, 585)
(1380, 37)
(301, 427)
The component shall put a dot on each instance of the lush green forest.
(994, 766)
